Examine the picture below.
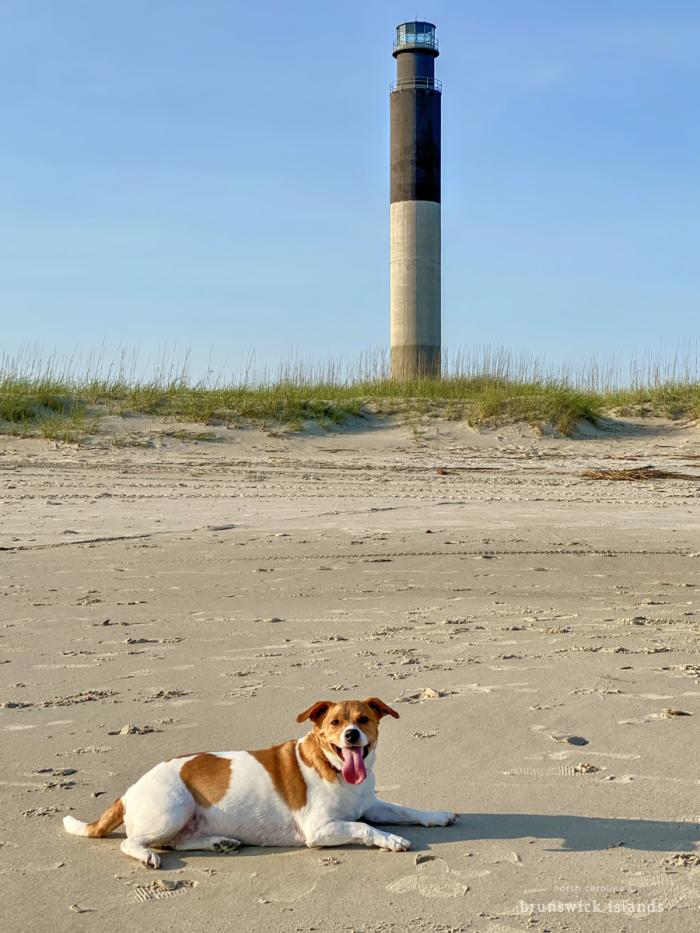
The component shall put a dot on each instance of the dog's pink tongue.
(354, 770)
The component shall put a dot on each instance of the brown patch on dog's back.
(207, 777)
(281, 764)
(109, 821)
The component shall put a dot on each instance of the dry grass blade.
(637, 473)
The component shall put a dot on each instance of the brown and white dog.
(314, 791)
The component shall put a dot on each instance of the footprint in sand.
(433, 878)
(295, 878)
(562, 771)
(157, 890)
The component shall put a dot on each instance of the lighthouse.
(416, 96)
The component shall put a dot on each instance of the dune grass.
(66, 400)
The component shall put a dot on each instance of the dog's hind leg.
(153, 826)
(137, 848)
(157, 810)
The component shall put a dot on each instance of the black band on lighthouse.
(415, 144)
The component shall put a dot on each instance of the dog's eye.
(335, 722)
(361, 720)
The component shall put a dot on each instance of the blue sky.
(214, 175)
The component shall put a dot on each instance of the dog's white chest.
(337, 800)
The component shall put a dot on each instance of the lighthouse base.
(415, 362)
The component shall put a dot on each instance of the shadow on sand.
(574, 833)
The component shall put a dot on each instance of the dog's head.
(347, 732)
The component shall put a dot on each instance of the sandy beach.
(536, 630)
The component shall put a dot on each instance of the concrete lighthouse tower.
(415, 204)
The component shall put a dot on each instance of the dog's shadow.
(572, 833)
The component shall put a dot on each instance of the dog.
(314, 791)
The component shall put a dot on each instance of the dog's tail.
(109, 821)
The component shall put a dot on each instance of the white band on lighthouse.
(415, 275)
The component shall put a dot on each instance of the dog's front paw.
(394, 843)
(440, 818)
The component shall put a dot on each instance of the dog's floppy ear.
(314, 712)
(381, 708)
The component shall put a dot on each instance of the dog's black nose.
(352, 735)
